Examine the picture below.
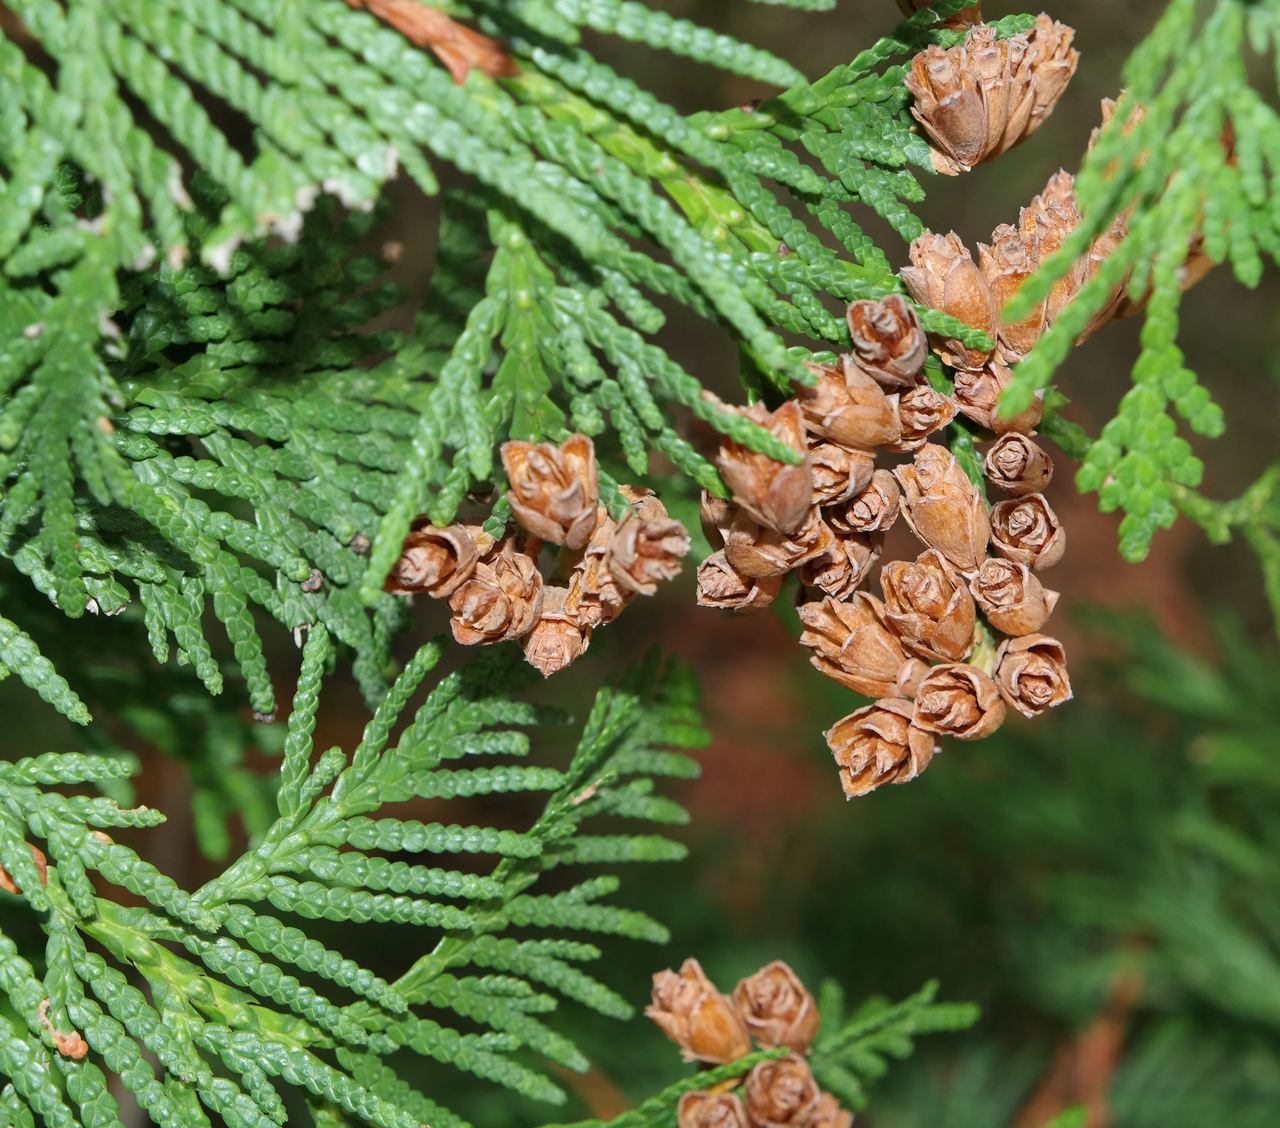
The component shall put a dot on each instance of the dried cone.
(958, 700)
(838, 472)
(927, 603)
(716, 515)
(1011, 597)
(1006, 264)
(963, 18)
(647, 547)
(944, 276)
(977, 395)
(723, 587)
(761, 553)
(776, 494)
(697, 1017)
(888, 342)
(558, 638)
(944, 508)
(594, 595)
(841, 571)
(42, 869)
(874, 510)
(878, 744)
(853, 644)
(554, 490)
(921, 412)
(712, 1110)
(848, 407)
(1047, 222)
(1053, 63)
(1032, 674)
(434, 561)
(1017, 466)
(781, 1094)
(777, 1008)
(828, 1114)
(501, 600)
(1027, 531)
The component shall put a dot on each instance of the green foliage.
(243, 1003)
(1194, 166)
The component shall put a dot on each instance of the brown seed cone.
(501, 600)
(1006, 264)
(1014, 601)
(878, 744)
(874, 510)
(828, 1113)
(943, 275)
(435, 561)
(777, 1008)
(760, 553)
(594, 595)
(853, 644)
(696, 1017)
(712, 1110)
(963, 18)
(841, 570)
(944, 508)
(1027, 531)
(1017, 466)
(554, 491)
(977, 395)
(848, 407)
(1032, 673)
(558, 638)
(1048, 221)
(781, 1094)
(1053, 63)
(958, 700)
(647, 546)
(838, 472)
(974, 100)
(42, 869)
(921, 412)
(721, 586)
(776, 494)
(716, 514)
(888, 342)
(927, 603)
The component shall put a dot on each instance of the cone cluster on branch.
(494, 587)
(928, 647)
(771, 1008)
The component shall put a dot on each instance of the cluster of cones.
(494, 586)
(771, 1008)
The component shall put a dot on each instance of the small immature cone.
(1027, 531)
(878, 745)
(848, 407)
(966, 17)
(927, 603)
(558, 639)
(943, 275)
(594, 595)
(1032, 674)
(1006, 264)
(648, 545)
(723, 587)
(435, 561)
(697, 1017)
(874, 510)
(1014, 601)
(921, 412)
(888, 342)
(958, 700)
(781, 1094)
(841, 570)
(944, 508)
(776, 494)
(712, 1110)
(853, 643)
(1017, 466)
(828, 1113)
(554, 490)
(501, 600)
(42, 868)
(838, 472)
(778, 1010)
(977, 395)
(760, 553)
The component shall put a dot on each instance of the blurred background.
(1103, 882)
